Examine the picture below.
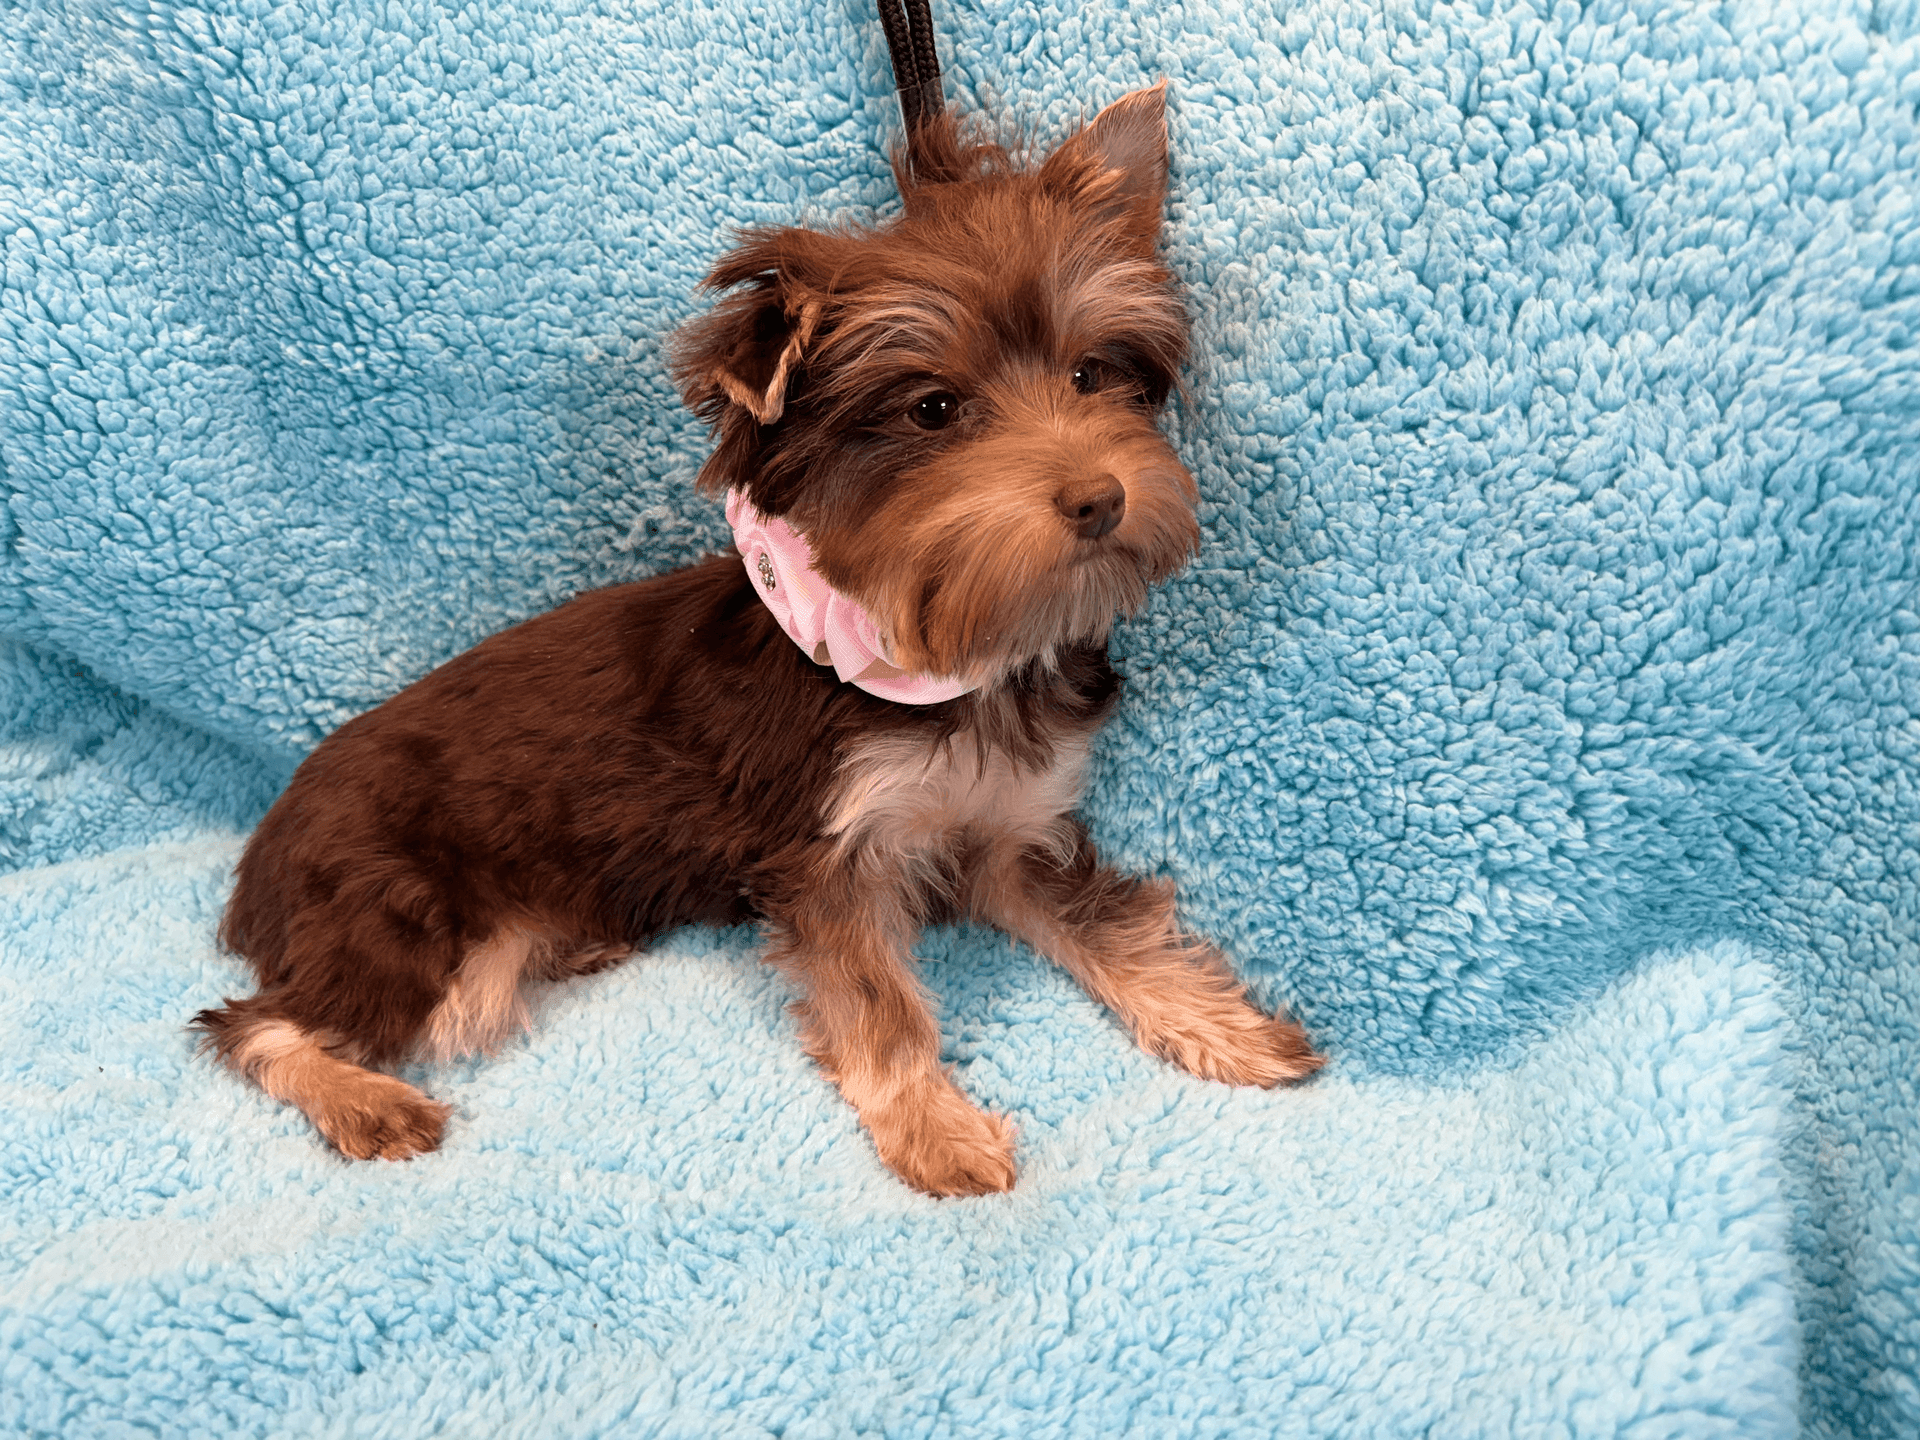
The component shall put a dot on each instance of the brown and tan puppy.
(956, 411)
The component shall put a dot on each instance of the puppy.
(937, 438)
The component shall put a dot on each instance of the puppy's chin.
(980, 606)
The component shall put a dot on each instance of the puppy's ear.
(1117, 165)
(746, 353)
(739, 364)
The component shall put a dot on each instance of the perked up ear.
(746, 352)
(1118, 163)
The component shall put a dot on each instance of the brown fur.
(662, 754)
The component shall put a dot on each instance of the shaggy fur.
(957, 409)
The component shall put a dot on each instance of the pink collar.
(833, 629)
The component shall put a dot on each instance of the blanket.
(1538, 722)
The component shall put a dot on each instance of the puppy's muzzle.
(1093, 507)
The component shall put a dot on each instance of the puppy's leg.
(1119, 937)
(868, 1023)
(362, 1113)
(483, 1003)
(360, 991)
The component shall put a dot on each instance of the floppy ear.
(746, 353)
(739, 364)
(1117, 164)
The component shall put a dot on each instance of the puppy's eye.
(1087, 376)
(935, 411)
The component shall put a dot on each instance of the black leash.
(916, 64)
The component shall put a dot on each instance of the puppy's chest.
(908, 794)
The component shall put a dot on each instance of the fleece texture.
(1541, 721)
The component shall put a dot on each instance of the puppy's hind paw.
(381, 1118)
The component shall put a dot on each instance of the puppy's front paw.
(1245, 1047)
(937, 1142)
(1198, 1016)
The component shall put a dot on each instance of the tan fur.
(483, 1003)
(1173, 991)
(363, 1114)
(1093, 301)
(909, 793)
(866, 1020)
(935, 1139)
(899, 321)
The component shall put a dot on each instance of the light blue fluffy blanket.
(1540, 721)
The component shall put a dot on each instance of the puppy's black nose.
(1093, 507)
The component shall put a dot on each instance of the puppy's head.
(957, 408)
